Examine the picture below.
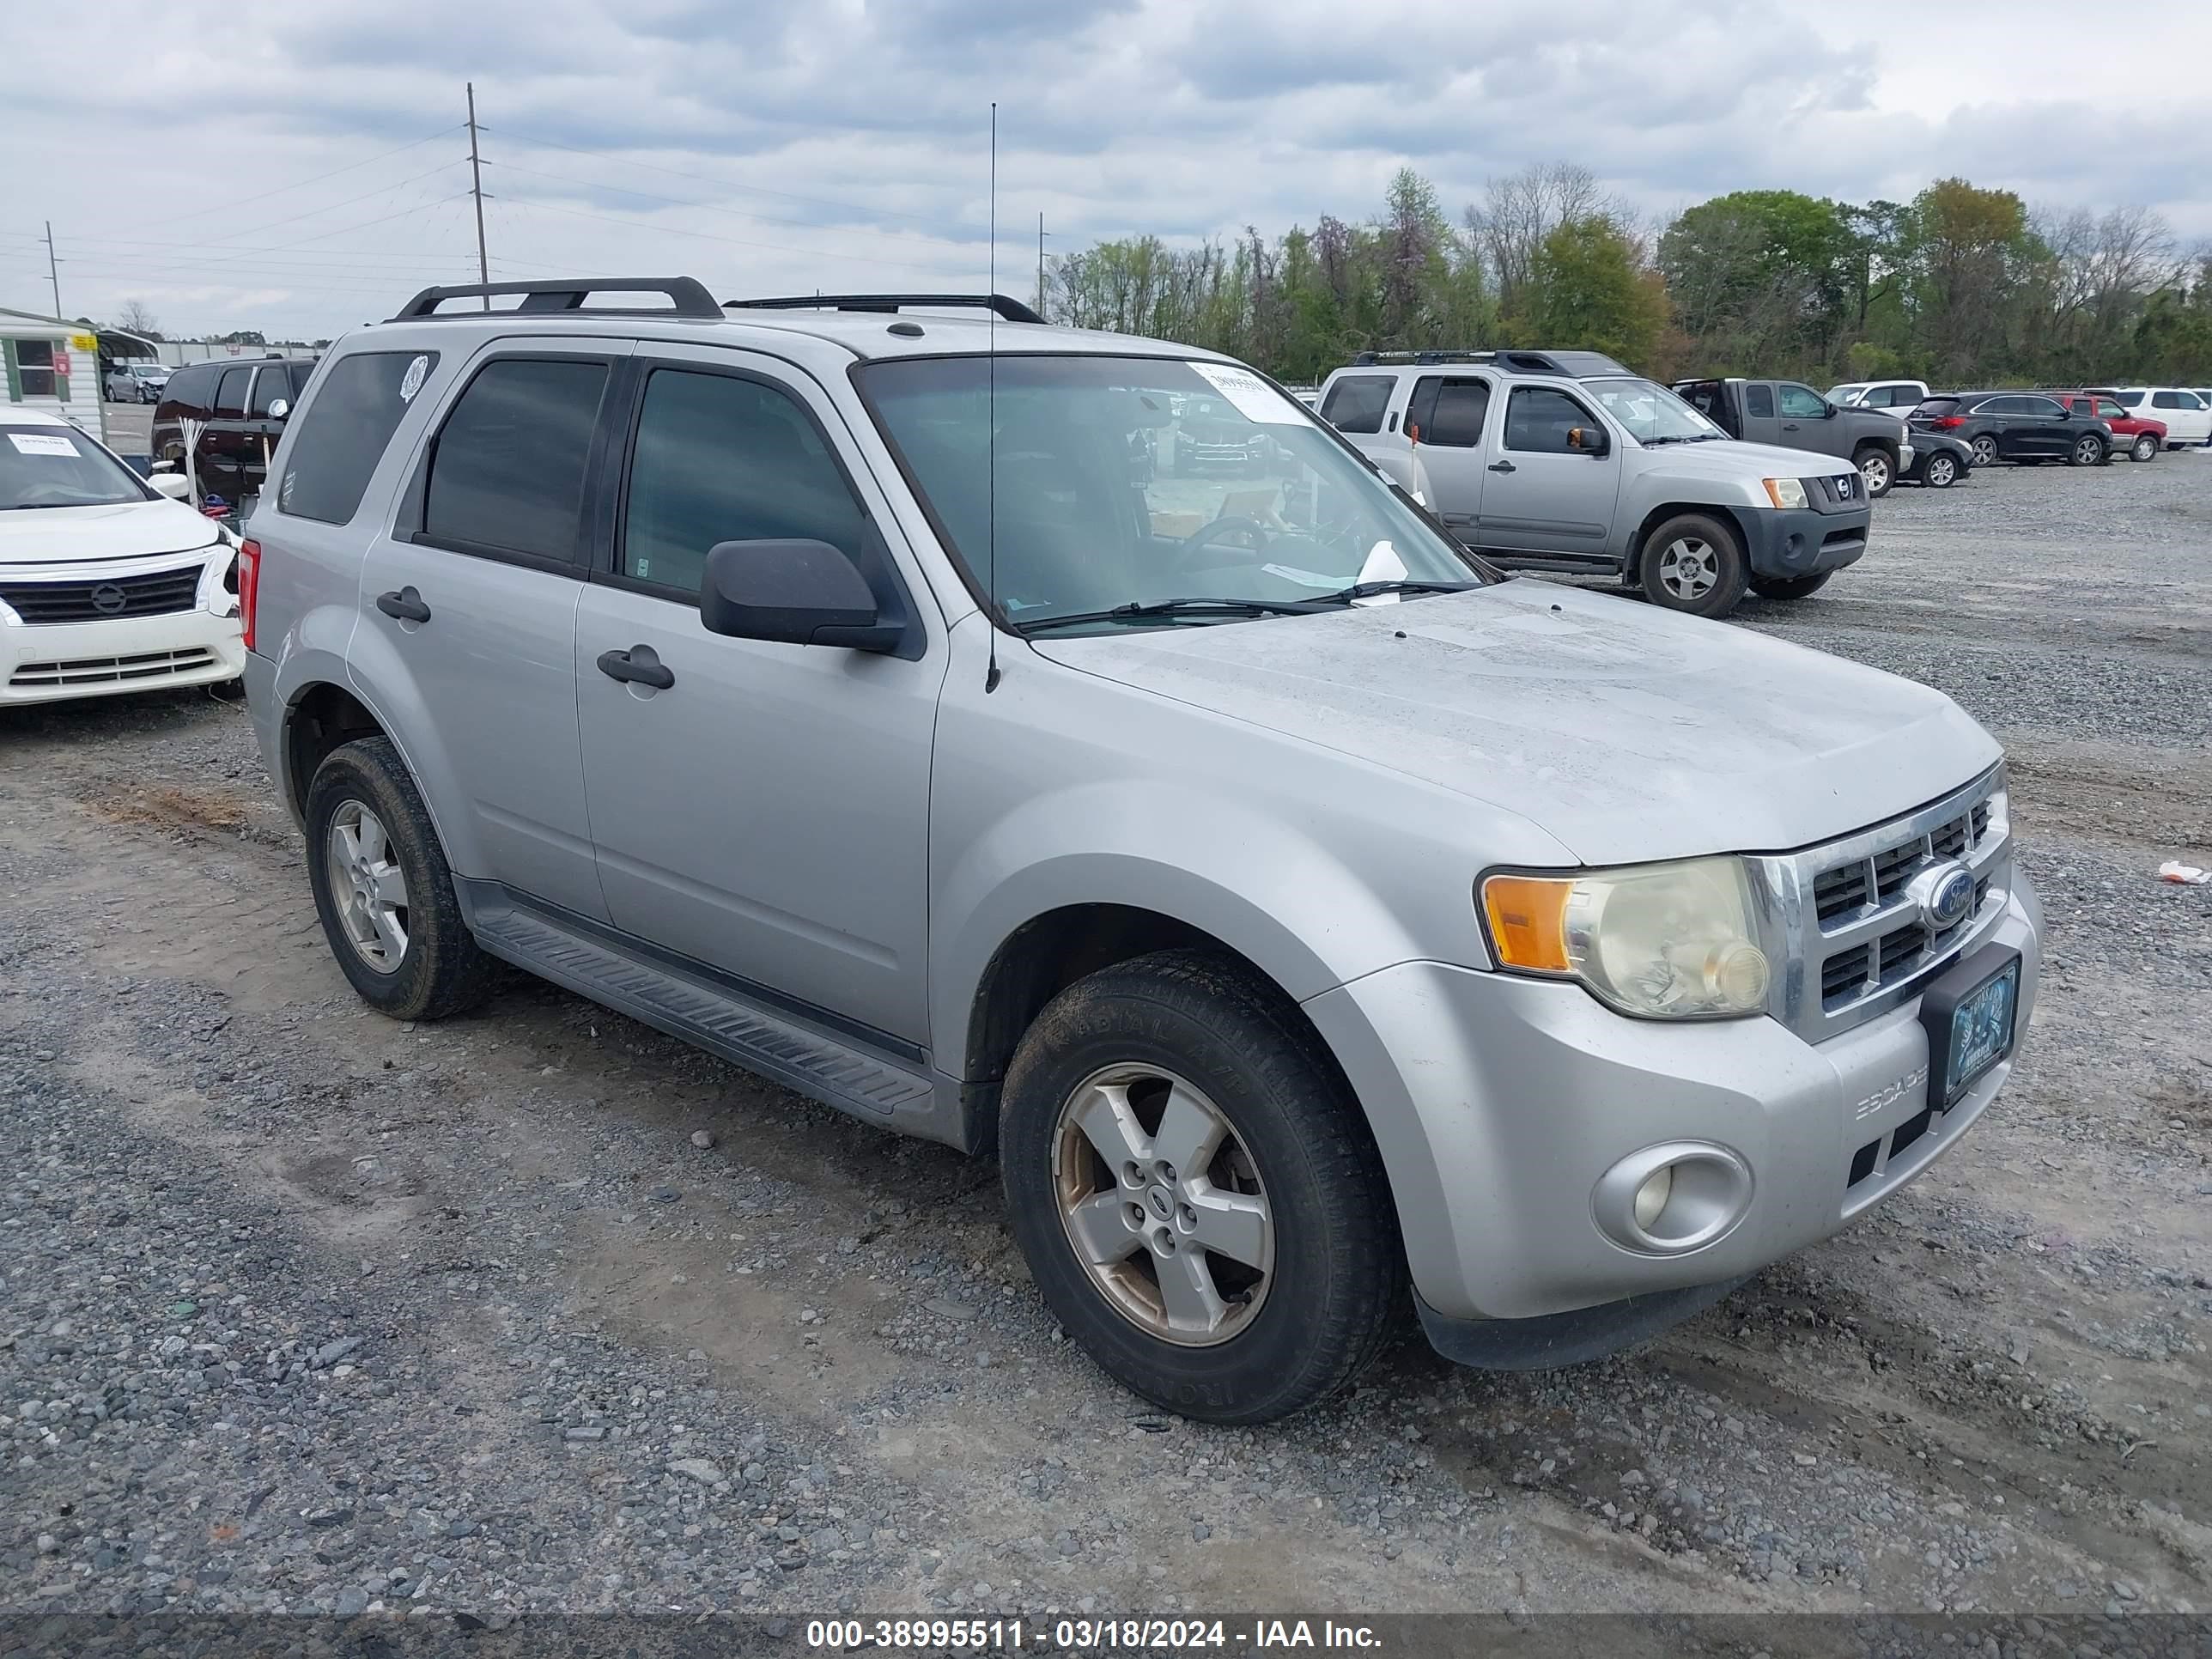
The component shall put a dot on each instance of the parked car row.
(2018, 424)
(238, 410)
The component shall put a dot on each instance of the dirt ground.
(1989, 1394)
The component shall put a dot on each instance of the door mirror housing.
(792, 593)
(1827, 412)
(1586, 438)
(279, 408)
(173, 485)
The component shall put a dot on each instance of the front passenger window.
(1801, 403)
(1538, 419)
(720, 459)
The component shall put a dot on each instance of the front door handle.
(1504, 466)
(1790, 426)
(405, 605)
(641, 665)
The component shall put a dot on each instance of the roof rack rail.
(1572, 364)
(687, 295)
(1011, 310)
(1368, 359)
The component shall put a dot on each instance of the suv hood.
(1732, 459)
(1627, 733)
(127, 530)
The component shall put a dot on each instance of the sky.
(300, 167)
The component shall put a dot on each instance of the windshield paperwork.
(59, 466)
(1652, 414)
(1149, 492)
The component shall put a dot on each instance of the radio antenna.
(990, 413)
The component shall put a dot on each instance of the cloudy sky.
(300, 167)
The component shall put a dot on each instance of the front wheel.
(1985, 451)
(1788, 587)
(1941, 472)
(384, 889)
(1876, 467)
(2089, 451)
(1196, 1194)
(2145, 448)
(1694, 564)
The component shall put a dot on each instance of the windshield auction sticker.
(1255, 400)
(37, 443)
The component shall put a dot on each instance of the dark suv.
(2027, 427)
(241, 404)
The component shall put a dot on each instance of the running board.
(832, 1070)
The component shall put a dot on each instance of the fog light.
(1651, 1197)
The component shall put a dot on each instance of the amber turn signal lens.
(1528, 921)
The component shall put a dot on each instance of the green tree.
(1592, 292)
(1760, 277)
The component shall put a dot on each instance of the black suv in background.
(238, 404)
(2027, 427)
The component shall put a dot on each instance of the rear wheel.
(384, 890)
(1941, 472)
(1985, 450)
(1788, 587)
(1879, 470)
(2089, 451)
(1694, 564)
(2145, 448)
(1196, 1193)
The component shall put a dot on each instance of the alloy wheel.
(2088, 452)
(1985, 451)
(1689, 567)
(2146, 449)
(1942, 470)
(1163, 1205)
(1875, 470)
(368, 886)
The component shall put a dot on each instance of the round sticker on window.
(412, 381)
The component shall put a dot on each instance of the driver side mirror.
(1586, 438)
(792, 593)
(1827, 412)
(173, 485)
(279, 408)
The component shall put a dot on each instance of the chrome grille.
(1856, 939)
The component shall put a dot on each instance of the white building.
(54, 365)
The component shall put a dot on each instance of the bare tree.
(134, 319)
(1516, 215)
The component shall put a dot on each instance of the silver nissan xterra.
(1296, 907)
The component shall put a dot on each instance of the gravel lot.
(538, 1310)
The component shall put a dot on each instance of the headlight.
(1784, 492)
(1661, 941)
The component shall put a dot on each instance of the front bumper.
(1803, 541)
(1500, 1103)
(56, 662)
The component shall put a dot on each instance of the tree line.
(1960, 286)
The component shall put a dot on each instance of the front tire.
(2144, 449)
(1941, 472)
(1195, 1191)
(1788, 587)
(1878, 469)
(384, 890)
(1694, 564)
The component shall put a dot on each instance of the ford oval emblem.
(1945, 895)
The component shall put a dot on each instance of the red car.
(2141, 439)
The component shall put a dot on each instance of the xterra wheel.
(1878, 470)
(1694, 564)
(1941, 472)
(1985, 451)
(384, 890)
(2089, 451)
(2145, 448)
(1788, 587)
(1197, 1195)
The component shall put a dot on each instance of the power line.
(705, 236)
(300, 184)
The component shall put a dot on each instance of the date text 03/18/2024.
(1084, 1635)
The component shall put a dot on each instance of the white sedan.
(107, 583)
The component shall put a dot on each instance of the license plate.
(1972, 1029)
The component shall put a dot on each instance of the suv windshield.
(59, 466)
(1107, 496)
(1651, 413)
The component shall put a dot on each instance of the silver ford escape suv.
(1298, 909)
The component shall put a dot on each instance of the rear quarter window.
(1356, 403)
(339, 437)
(192, 391)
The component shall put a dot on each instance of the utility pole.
(54, 276)
(476, 186)
(1041, 310)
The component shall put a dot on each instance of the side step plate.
(830, 1069)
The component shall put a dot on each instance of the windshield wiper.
(1680, 438)
(1176, 608)
(1369, 590)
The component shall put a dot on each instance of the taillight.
(249, 587)
(1950, 420)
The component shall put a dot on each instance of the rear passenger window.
(339, 437)
(1356, 402)
(1455, 423)
(506, 472)
(1759, 402)
(724, 459)
(2166, 400)
(230, 394)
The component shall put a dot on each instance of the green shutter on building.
(15, 379)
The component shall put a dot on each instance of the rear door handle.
(405, 605)
(639, 665)
(1504, 466)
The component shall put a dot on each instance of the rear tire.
(384, 889)
(1788, 587)
(1985, 451)
(1878, 468)
(2089, 451)
(1694, 564)
(1180, 1057)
